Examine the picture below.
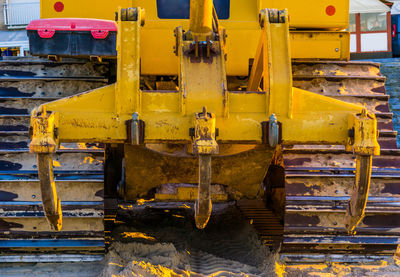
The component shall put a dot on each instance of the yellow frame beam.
(101, 115)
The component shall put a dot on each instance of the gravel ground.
(391, 69)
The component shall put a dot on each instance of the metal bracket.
(204, 135)
(132, 14)
(44, 132)
(50, 200)
(271, 132)
(363, 142)
(135, 128)
(204, 146)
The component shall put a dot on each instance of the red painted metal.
(358, 32)
(59, 6)
(73, 24)
(46, 33)
(330, 10)
(99, 34)
(388, 25)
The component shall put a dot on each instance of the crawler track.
(319, 179)
(25, 84)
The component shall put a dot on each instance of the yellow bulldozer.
(253, 102)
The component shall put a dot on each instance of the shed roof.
(367, 6)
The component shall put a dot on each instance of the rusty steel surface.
(319, 179)
(317, 184)
(146, 169)
(78, 168)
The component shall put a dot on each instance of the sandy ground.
(167, 243)
(53, 269)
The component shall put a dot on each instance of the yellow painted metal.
(201, 17)
(188, 194)
(358, 200)
(83, 8)
(128, 94)
(102, 115)
(208, 86)
(44, 132)
(312, 14)
(306, 117)
(280, 66)
(88, 116)
(261, 61)
(242, 28)
(364, 138)
(331, 45)
(204, 140)
(50, 200)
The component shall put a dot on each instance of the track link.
(24, 84)
(317, 182)
(319, 179)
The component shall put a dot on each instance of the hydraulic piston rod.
(201, 17)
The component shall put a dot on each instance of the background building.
(15, 16)
(370, 27)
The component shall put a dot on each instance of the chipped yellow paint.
(88, 160)
(138, 235)
(280, 269)
(340, 73)
(344, 269)
(141, 202)
(184, 194)
(321, 274)
(81, 145)
(178, 216)
(158, 270)
(120, 265)
(319, 72)
(100, 115)
(56, 163)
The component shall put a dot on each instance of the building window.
(352, 23)
(373, 22)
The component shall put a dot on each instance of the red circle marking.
(59, 7)
(330, 10)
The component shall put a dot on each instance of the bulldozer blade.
(359, 197)
(203, 206)
(51, 203)
(243, 173)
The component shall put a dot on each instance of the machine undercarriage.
(297, 164)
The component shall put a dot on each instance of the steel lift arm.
(203, 112)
